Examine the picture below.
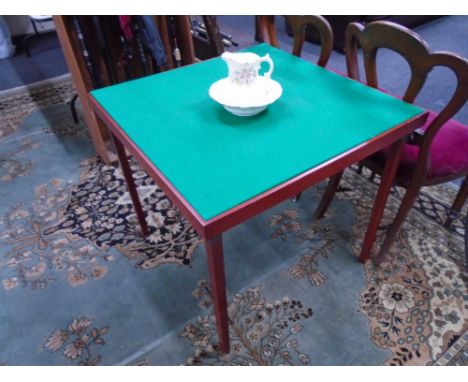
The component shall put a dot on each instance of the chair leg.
(466, 241)
(457, 205)
(296, 197)
(411, 193)
(328, 195)
(73, 108)
(360, 167)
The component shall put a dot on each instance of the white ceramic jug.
(243, 67)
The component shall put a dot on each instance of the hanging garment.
(152, 40)
(126, 26)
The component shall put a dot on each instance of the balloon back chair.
(435, 153)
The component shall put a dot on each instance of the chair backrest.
(298, 26)
(408, 44)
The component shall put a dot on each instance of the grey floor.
(46, 61)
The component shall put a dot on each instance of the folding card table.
(221, 170)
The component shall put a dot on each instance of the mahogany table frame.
(211, 230)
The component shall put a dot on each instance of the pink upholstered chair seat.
(448, 153)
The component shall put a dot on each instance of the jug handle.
(266, 58)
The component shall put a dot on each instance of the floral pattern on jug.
(244, 76)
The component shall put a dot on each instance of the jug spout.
(241, 58)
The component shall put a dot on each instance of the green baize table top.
(217, 160)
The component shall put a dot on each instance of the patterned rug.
(80, 284)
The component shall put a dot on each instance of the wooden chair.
(298, 24)
(436, 153)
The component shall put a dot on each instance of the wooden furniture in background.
(102, 64)
(83, 85)
(267, 29)
(340, 22)
(211, 43)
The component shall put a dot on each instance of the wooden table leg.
(327, 197)
(132, 190)
(214, 251)
(391, 167)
